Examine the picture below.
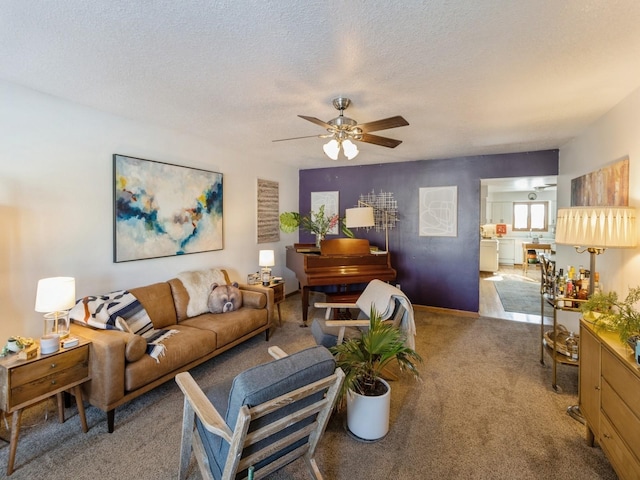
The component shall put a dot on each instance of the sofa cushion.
(136, 348)
(230, 326)
(187, 345)
(189, 285)
(157, 300)
(253, 299)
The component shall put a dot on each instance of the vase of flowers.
(317, 223)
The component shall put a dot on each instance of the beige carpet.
(484, 409)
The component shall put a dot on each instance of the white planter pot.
(368, 417)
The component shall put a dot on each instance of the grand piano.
(339, 262)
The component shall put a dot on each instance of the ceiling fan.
(545, 186)
(342, 130)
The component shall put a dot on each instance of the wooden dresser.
(610, 398)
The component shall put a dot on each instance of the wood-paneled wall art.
(608, 186)
(268, 211)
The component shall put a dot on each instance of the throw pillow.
(224, 298)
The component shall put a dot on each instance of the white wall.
(56, 202)
(611, 138)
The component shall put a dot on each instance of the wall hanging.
(162, 210)
(331, 202)
(438, 212)
(608, 186)
(268, 208)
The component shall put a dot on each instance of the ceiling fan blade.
(297, 138)
(382, 141)
(391, 122)
(317, 121)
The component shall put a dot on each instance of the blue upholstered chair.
(269, 416)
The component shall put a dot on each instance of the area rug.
(521, 297)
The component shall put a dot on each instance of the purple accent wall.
(433, 271)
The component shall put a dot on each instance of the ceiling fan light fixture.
(332, 149)
(350, 149)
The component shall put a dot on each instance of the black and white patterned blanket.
(120, 310)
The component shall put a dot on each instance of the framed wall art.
(268, 208)
(162, 210)
(606, 187)
(331, 202)
(438, 212)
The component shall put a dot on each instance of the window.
(530, 216)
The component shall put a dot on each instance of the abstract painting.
(268, 208)
(606, 187)
(438, 212)
(163, 210)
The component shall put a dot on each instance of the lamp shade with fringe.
(597, 227)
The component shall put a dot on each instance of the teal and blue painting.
(164, 210)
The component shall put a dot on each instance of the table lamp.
(594, 229)
(266, 260)
(55, 296)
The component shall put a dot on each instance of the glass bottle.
(572, 346)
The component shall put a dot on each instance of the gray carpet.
(521, 297)
(484, 409)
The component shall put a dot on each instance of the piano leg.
(305, 306)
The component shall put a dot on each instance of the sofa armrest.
(107, 362)
(264, 290)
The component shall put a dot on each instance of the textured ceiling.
(471, 77)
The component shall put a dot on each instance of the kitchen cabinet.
(502, 212)
(506, 251)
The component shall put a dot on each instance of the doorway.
(497, 197)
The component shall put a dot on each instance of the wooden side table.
(278, 297)
(26, 382)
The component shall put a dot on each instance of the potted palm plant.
(363, 360)
(607, 311)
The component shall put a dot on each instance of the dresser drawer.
(47, 375)
(620, 417)
(622, 380)
(49, 365)
(624, 462)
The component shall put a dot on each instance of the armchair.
(389, 301)
(275, 414)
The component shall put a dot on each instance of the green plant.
(315, 222)
(364, 358)
(607, 311)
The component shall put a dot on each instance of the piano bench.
(342, 297)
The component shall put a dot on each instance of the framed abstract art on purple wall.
(162, 210)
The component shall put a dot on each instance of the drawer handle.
(53, 382)
(597, 387)
(54, 365)
(606, 435)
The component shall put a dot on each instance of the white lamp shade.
(266, 258)
(598, 227)
(332, 149)
(359, 217)
(55, 294)
(350, 149)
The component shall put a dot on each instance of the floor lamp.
(593, 230)
(362, 216)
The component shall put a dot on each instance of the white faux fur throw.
(198, 285)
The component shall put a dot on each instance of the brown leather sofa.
(122, 370)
